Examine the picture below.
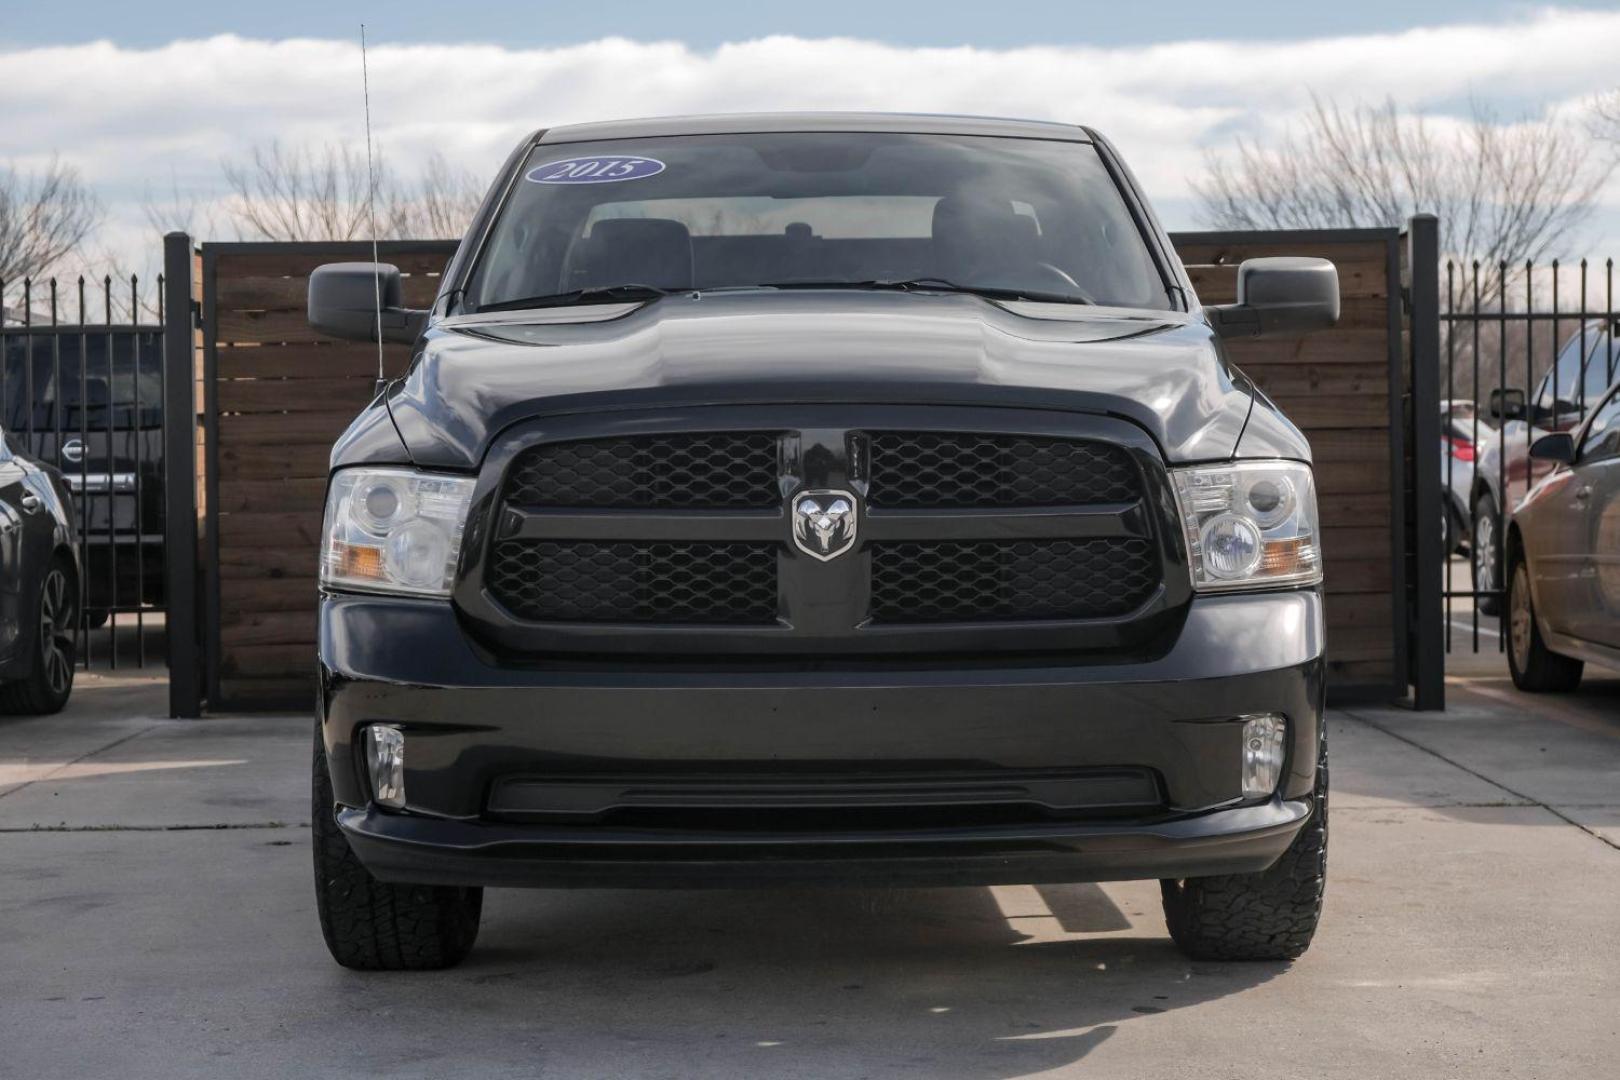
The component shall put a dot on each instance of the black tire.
(49, 682)
(1454, 538)
(1486, 545)
(1534, 667)
(1271, 915)
(372, 925)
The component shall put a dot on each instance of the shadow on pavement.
(943, 981)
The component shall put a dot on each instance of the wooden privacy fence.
(274, 396)
(1344, 388)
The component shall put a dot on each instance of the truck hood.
(477, 375)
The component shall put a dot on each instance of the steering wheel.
(1057, 280)
(1071, 286)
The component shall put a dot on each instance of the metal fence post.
(180, 479)
(1425, 603)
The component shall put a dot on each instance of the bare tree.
(306, 193)
(443, 202)
(1604, 118)
(44, 217)
(178, 210)
(1504, 192)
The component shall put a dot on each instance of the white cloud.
(134, 118)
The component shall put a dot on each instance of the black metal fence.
(1527, 351)
(82, 388)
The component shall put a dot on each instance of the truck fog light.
(1262, 754)
(385, 761)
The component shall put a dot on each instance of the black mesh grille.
(638, 581)
(1033, 579)
(943, 469)
(707, 470)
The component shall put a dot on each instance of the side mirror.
(343, 303)
(1507, 404)
(1280, 295)
(1558, 448)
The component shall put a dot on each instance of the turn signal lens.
(1250, 524)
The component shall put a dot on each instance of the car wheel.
(1534, 667)
(1487, 554)
(1271, 915)
(49, 682)
(373, 925)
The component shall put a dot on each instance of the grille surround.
(823, 610)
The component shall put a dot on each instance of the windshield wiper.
(926, 284)
(597, 294)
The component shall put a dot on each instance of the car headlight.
(394, 530)
(1250, 524)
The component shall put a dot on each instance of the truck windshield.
(1004, 216)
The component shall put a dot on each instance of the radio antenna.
(371, 205)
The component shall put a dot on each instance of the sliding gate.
(81, 388)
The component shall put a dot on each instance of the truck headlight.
(1250, 524)
(394, 530)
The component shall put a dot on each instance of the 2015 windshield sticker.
(605, 169)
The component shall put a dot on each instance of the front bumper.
(472, 722)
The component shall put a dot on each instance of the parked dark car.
(1504, 469)
(91, 404)
(39, 584)
(825, 499)
(1563, 557)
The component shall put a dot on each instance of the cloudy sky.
(148, 98)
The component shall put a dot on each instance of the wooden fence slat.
(277, 660)
(266, 461)
(277, 594)
(291, 292)
(1286, 382)
(294, 395)
(1328, 411)
(430, 259)
(266, 495)
(296, 528)
(1341, 345)
(310, 361)
(255, 564)
(285, 429)
(268, 627)
(270, 691)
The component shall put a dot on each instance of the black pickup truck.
(89, 401)
(823, 499)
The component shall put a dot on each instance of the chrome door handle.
(31, 503)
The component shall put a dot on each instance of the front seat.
(633, 251)
(983, 238)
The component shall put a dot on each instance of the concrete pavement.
(156, 919)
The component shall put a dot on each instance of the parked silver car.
(1504, 470)
(1461, 429)
(1563, 557)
